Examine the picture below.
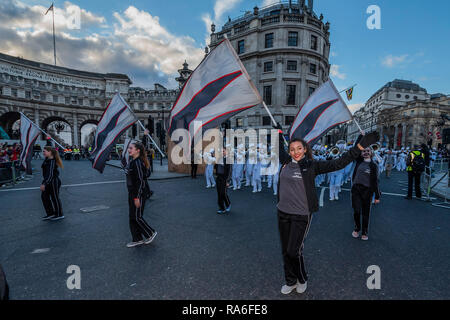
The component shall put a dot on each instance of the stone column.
(75, 138)
(395, 136)
(404, 135)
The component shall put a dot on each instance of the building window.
(14, 92)
(27, 94)
(313, 42)
(268, 66)
(67, 100)
(415, 97)
(289, 120)
(239, 122)
(268, 40)
(312, 68)
(266, 121)
(80, 102)
(141, 106)
(399, 95)
(267, 95)
(290, 94)
(292, 65)
(241, 46)
(311, 90)
(92, 103)
(407, 96)
(293, 39)
(55, 99)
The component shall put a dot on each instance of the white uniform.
(238, 167)
(209, 171)
(251, 161)
(256, 176)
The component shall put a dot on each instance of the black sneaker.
(220, 211)
(57, 218)
(408, 198)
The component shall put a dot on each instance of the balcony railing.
(270, 20)
(293, 18)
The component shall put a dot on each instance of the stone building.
(393, 94)
(414, 122)
(285, 49)
(58, 97)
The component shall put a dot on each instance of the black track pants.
(293, 230)
(138, 226)
(50, 198)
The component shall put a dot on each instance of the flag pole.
(142, 126)
(42, 130)
(348, 88)
(273, 120)
(54, 40)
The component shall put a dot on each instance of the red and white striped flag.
(218, 89)
(29, 132)
(116, 119)
(322, 111)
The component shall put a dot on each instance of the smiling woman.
(297, 201)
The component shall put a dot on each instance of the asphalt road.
(201, 255)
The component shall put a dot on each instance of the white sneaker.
(234, 189)
(285, 289)
(331, 199)
(134, 244)
(355, 234)
(336, 198)
(365, 238)
(149, 240)
(301, 287)
(254, 191)
(274, 193)
(207, 187)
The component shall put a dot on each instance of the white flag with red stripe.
(116, 119)
(218, 89)
(29, 132)
(322, 111)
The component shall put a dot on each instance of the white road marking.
(382, 193)
(43, 250)
(67, 185)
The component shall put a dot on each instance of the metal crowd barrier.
(10, 173)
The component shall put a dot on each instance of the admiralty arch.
(63, 100)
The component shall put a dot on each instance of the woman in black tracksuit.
(365, 185)
(297, 200)
(51, 184)
(138, 193)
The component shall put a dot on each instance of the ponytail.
(142, 153)
(55, 155)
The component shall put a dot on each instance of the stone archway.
(9, 123)
(63, 135)
(87, 132)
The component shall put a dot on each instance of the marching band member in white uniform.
(209, 172)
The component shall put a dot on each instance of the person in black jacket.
(365, 185)
(138, 193)
(297, 201)
(223, 172)
(51, 184)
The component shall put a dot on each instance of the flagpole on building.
(54, 40)
(41, 130)
(348, 88)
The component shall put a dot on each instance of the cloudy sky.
(149, 39)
